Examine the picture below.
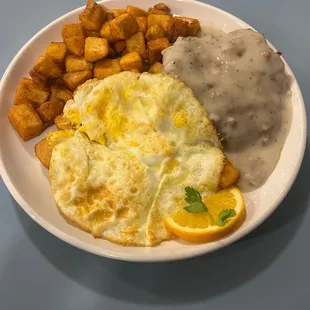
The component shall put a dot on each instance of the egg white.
(141, 139)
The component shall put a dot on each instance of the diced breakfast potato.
(73, 79)
(76, 45)
(90, 48)
(26, 121)
(29, 91)
(132, 61)
(60, 92)
(43, 152)
(134, 11)
(136, 43)
(115, 13)
(56, 51)
(74, 37)
(38, 77)
(156, 67)
(105, 32)
(162, 7)
(180, 29)
(76, 63)
(46, 66)
(193, 25)
(123, 27)
(157, 11)
(72, 30)
(96, 48)
(155, 47)
(93, 16)
(165, 21)
(141, 20)
(230, 175)
(50, 109)
(62, 123)
(106, 67)
(119, 46)
(154, 32)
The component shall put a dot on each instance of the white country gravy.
(242, 84)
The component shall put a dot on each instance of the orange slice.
(198, 227)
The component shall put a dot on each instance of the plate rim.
(127, 256)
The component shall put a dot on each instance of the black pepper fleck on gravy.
(243, 86)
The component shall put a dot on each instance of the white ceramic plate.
(27, 180)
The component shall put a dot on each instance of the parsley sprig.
(196, 205)
(225, 216)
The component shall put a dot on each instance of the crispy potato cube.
(180, 29)
(156, 67)
(91, 33)
(56, 51)
(230, 175)
(134, 11)
(123, 27)
(165, 21)
(62, 123)
(38, 77)
(132, 61)
(43, 152)
(46, 66)
(73, 79)
(106, 67)
(96, 48)
(115, 13)
(105, 32)
(74, 37)
(193, 25)
(75, 63)
(136, 43)
(93, 16)
(154, 32)
(60, 92)
(26, 121)
(50, 109)
(72, 30)
(29, 91)
(141, 20)
(119, 46)
(76, 45)
(155, 47)
(162, 7)
(157, 12)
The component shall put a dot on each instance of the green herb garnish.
(225, 216)
(196, 204)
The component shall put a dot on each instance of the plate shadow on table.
(184, 281)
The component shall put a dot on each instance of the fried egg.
(140, 140)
